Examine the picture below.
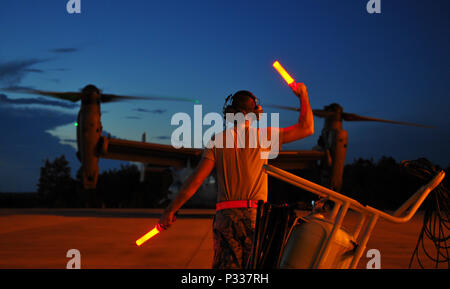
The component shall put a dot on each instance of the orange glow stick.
(156, 230)
(283, 72)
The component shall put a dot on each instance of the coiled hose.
(436, 219)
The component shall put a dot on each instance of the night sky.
(394, 65)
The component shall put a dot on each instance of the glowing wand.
(283, 72)
(155, 231)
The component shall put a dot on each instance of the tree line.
(116, 188)
(383, 184)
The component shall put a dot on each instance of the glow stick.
(283, 72)
(156, 230)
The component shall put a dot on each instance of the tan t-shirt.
(239, 168)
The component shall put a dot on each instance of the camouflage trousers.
(233, 231)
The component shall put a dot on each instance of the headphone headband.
(230, 103)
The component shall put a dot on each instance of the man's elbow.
(308, 130)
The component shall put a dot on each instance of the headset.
(231, 104)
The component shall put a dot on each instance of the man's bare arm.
(305, 125)
(188, 189)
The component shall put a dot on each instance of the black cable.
(436, 221)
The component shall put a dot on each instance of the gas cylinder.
(307, 240)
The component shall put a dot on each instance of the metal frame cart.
(320, 242)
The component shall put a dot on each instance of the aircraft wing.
(167, 156)
(149, 153)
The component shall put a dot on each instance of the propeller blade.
(71, 96)
(316, 112)
(355, 117)
(114, 97)
(323, 113)
(283, 107)
(75, 96)
(348, 116)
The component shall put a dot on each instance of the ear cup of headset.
(258, 109)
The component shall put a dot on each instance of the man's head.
(242, 101)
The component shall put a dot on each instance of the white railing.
(367, 213)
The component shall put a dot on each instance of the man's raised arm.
(305, 125)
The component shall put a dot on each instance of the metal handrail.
(344, 203)
(412, 203)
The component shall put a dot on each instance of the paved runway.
(40, 238)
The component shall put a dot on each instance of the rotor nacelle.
(89, 131)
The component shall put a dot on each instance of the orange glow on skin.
(283, 72)
(156, 230)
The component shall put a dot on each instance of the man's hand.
(167, 219)
(299, 89)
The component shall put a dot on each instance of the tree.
(56, 186)
(385, 184)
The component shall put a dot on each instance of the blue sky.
(393, 65)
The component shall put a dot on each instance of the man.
(241, 180)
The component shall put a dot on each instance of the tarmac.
(105, 238)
